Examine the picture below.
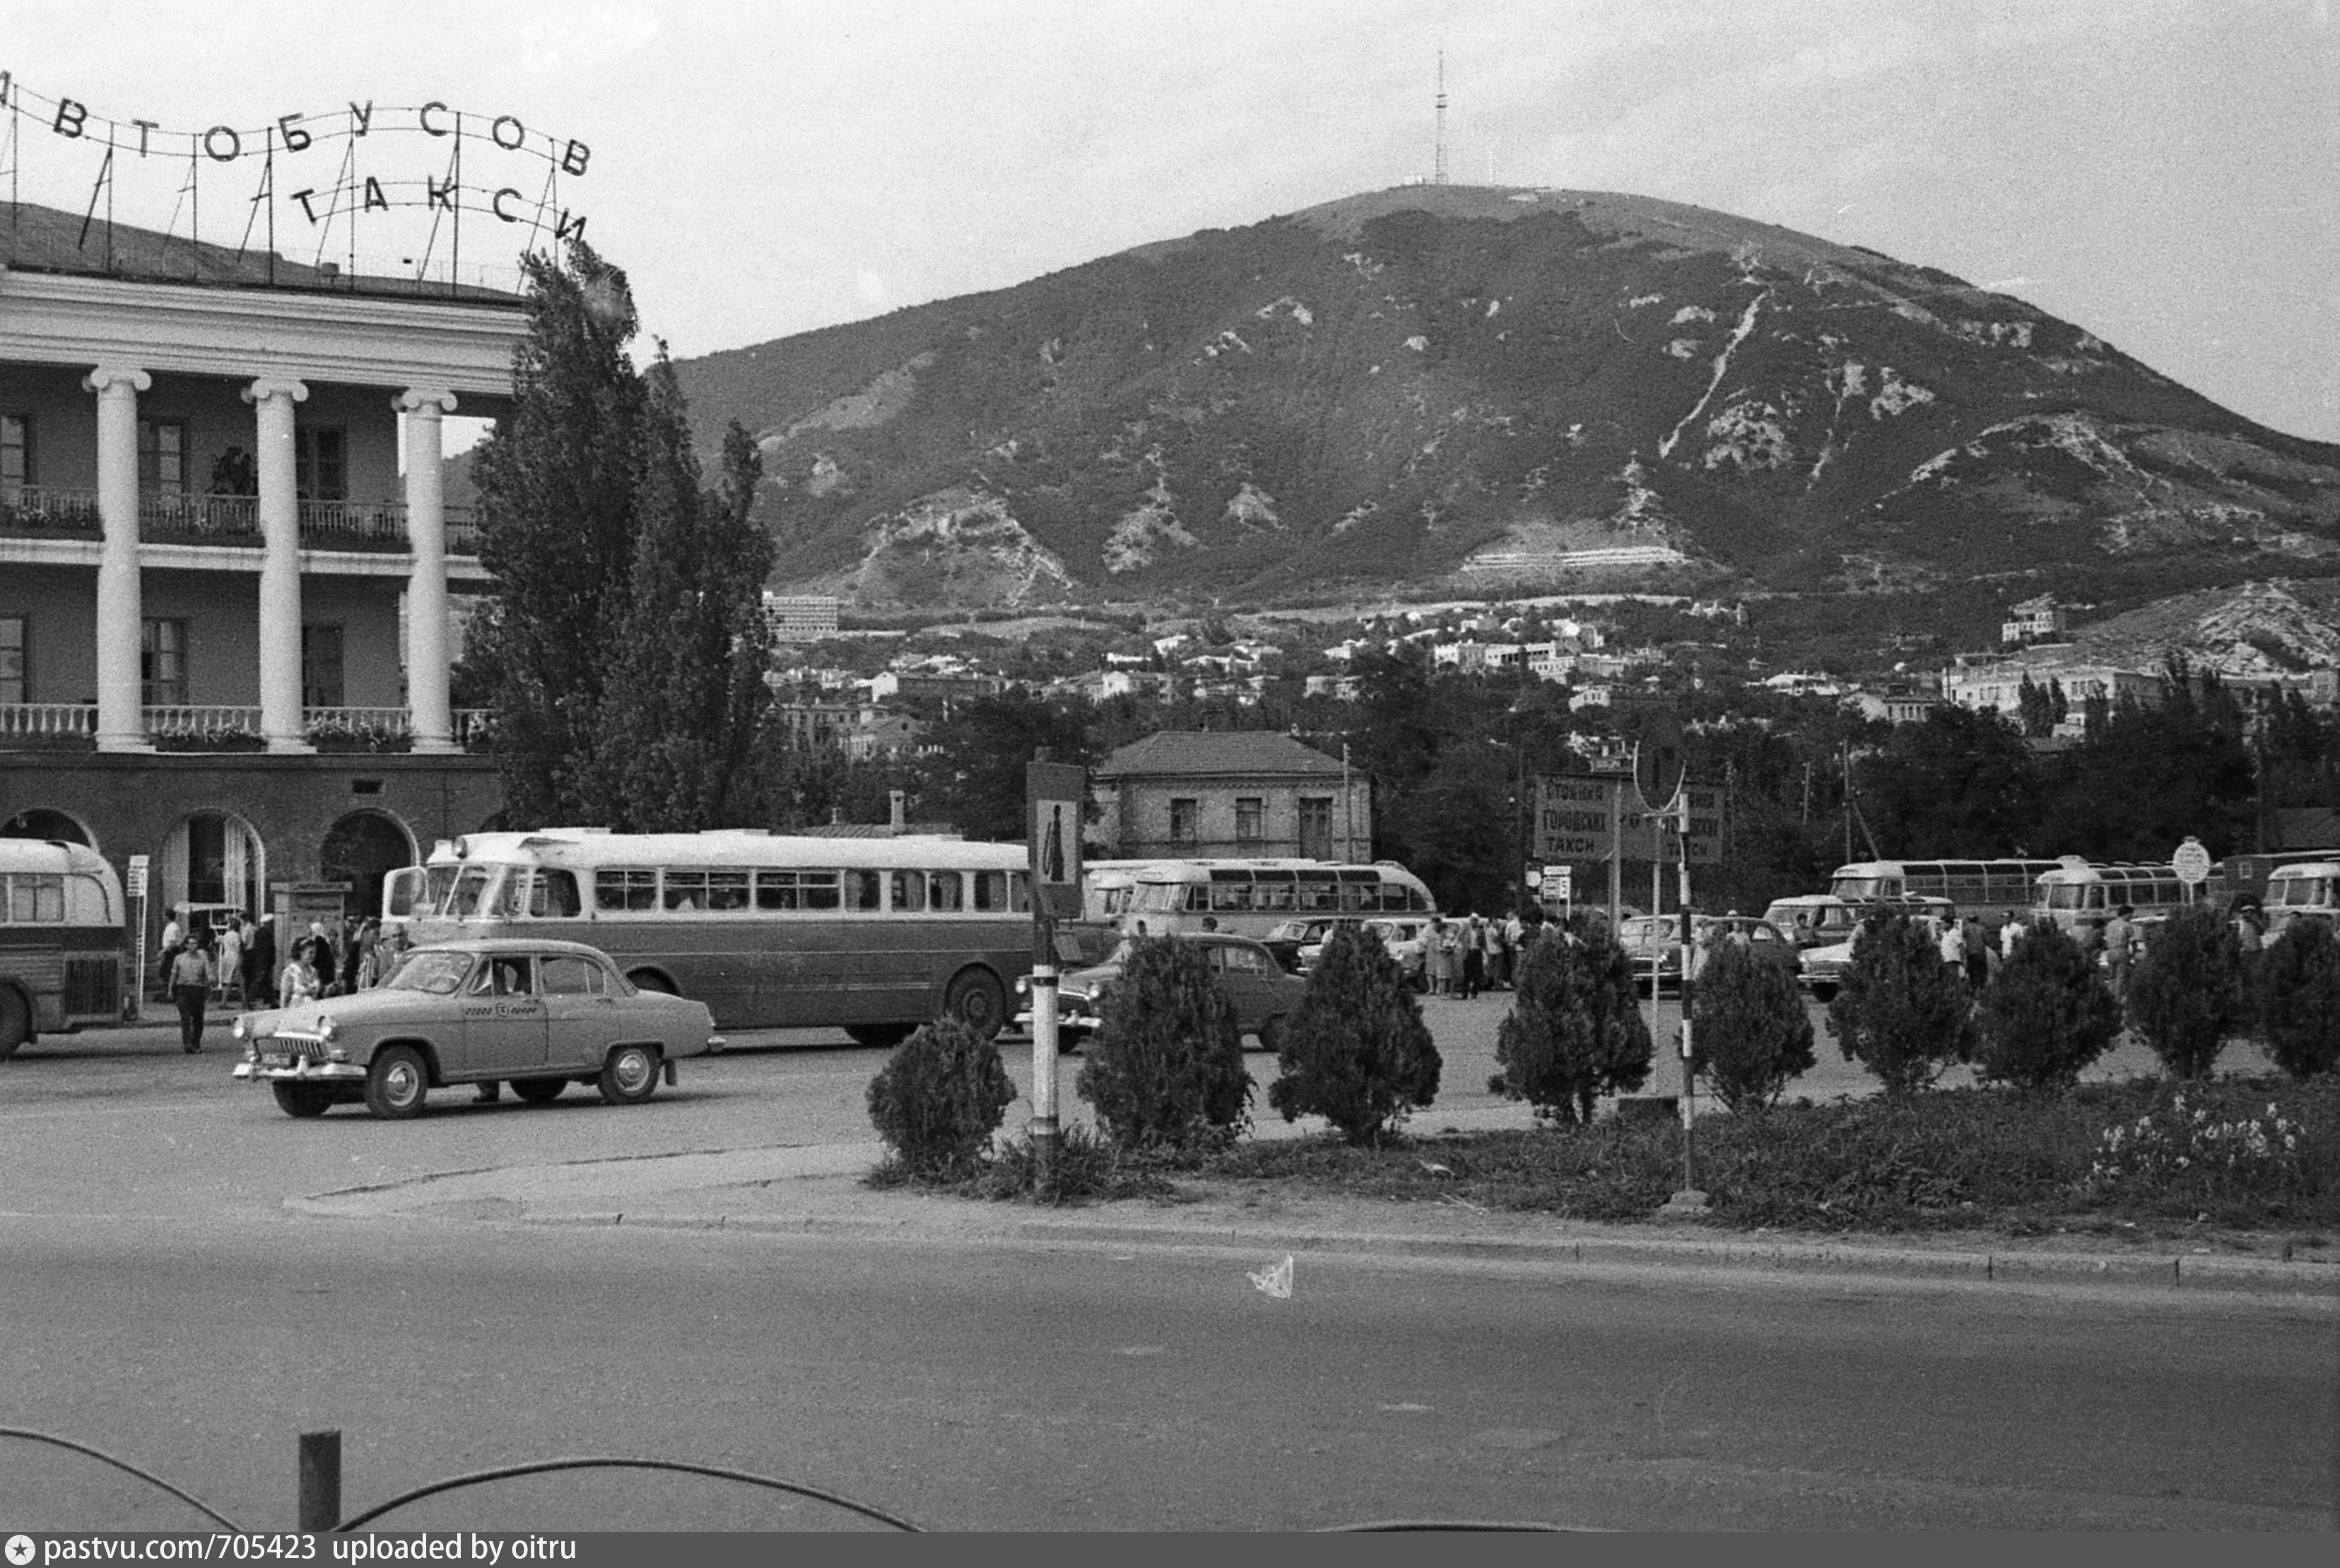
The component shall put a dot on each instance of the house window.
(320, 462)
(320, 666)
(12, 659)
(162, 456)
(1316, 827)
(16, 451)
(163, 664)
(1251, 819)
(1181, 821)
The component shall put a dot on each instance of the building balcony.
(57, 511)
(217, 727)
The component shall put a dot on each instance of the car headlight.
(326, 1028)
(241, 1030)
(1023, 985)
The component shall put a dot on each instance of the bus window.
(1274, 891)
(864, 891)
(464, 899)
(552, 894)
(624, 889)
(1231, 897)
(1320, 893)
(33, 898)
(991, 891)
(1019, 892)
(86, 903)
(944, 891)
(727, 890)
(686, 891)
(909, 891)
(796, 891)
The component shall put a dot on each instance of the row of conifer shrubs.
(1166, 1079)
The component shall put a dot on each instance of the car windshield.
(438, 974)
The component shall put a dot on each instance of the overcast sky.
(2159, 171)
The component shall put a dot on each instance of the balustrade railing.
(230, 520)
(21, 719)
(235, 723)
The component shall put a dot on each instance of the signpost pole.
(135, 988)
(1054, 792)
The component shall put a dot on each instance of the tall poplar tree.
(628, 605)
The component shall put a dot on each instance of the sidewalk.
(817, 1189)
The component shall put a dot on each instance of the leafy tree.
(1960, 783)
(2047, 1015)
(1165, 1069)
(1575, 1031)
(686, 689)
(1357, 1052)
(975, 779)
(1752, 1035)
(2186, 994)
(1902, 1013)
(939, 1098)
(2299, 998)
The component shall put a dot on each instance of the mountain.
(2252, 632)
(1470, 389)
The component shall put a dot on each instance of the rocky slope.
(1455, 389)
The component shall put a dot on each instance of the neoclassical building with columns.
(230, 581)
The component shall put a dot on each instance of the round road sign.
(2192, 863)
(1658, 761)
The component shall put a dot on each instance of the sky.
(2158, 171)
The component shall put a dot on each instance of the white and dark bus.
(63, 939)
(1991, 889)
(875, 935)
(1251, 897)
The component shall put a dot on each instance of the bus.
(63, 939)
(1250, 898)
(2077, 890)
(2303, 890)
(1990, 889)
(873, 935)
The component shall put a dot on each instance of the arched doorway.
(40, 822)
(214, 857)
(360, 849)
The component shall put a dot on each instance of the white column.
(120, 616)
(430, 714)
(280, 719)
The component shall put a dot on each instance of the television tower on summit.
(1438, 155)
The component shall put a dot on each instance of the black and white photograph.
(1080, 766)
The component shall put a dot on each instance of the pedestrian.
(2010, 934)
(1491, 953)
(1468, 938)
(2250, 930)
(1953, 945)
(191, 987)
(263, 960)
(322, 958)
(347, 973)
(368, 947)
(2120, 948)
(1436, 955)
(299, 983)
(1515, 932)
(1977, 942)
(249, 968)
(230, 966)
(174, 937)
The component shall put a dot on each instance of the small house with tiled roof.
(1209, 794)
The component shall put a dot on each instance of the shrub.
(2299, 998)
(1575, 1030)
(939, 1099)
(1356, 1052)
(1902, 1013)
(2202, 1152)
(1165, 1068)
(1752, 1034)
(2046, 1015)
(2187, 993)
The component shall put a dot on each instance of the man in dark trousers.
(264, 963)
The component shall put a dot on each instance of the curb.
(2178, 1271)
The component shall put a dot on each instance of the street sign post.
(2192, 864)
(1053, 792)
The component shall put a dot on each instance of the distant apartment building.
(2040, 620)
(801, 617)
(1188, 794)
(1998, 688)
(859, 731)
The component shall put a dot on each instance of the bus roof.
(586, 849)
(2301, 869)
(51, 855)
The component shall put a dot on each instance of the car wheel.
(538, 1091)
(974, 998)
(1823, 992)
(1271, 1035)
(630, 1075)
(302, 1099)
(881, 1037)
(15, 1022)
(397, 1084)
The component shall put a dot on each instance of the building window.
(1316, 827)
(163, 664)
(320, 667)
(162, 456)
(12, 659)
(1181, 821)
(320, 462)
(1251, 819)
(16, 451)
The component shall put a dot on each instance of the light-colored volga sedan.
(540, 1016)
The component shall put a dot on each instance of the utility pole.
(1438, 160)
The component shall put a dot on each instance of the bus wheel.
(880, 1036)
(15, 1022)
(648, 980)
(397, 1084)
(630, 1075)
(975, 1000)
(302, 1099)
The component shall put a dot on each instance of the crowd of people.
(237, 962)
(1473, 954)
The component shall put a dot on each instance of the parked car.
(1287, 939)
(1821, 970)
(1649, 938)
(537, 1014)
(1406, 941)
(1823, 919)
(1264, 993)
